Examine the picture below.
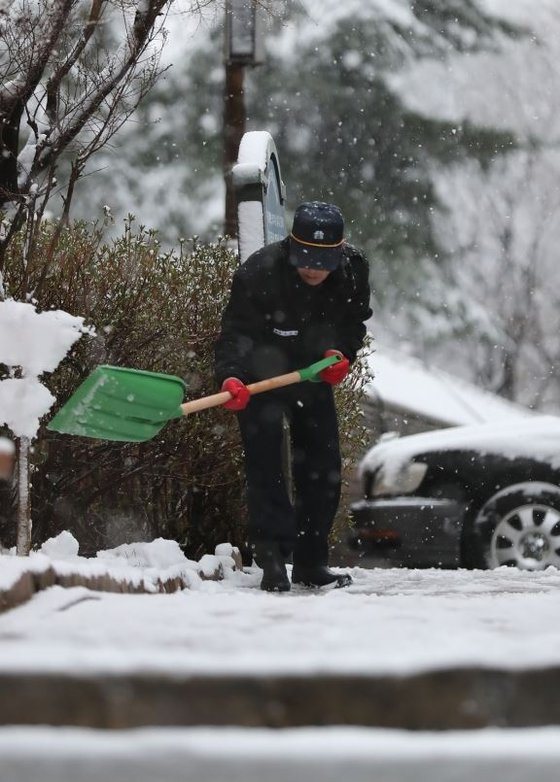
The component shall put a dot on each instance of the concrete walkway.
(409, 649)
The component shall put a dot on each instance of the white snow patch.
(32, 343)
(254, 149)
(63, 546)
(537, 437)
(251, 228)
(411, 386)
(316, 754)
(6, 446)
(23, 402)
(158, 553)
(389, 620)
(37, 342)
(12, 568)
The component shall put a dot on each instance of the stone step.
(461, 698)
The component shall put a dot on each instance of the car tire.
(518, 527)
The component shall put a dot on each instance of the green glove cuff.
(311, 372)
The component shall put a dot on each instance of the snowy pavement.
(389, 621)
(305, 755)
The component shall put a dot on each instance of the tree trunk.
(23, 545)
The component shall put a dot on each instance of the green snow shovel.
(131, 405)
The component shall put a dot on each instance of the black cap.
(317, 236)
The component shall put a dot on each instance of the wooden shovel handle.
(214, 400)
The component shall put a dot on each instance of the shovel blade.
(115, 403)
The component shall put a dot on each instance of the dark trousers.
(302, 527)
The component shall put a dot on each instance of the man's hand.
(239, 392)
(337, 372)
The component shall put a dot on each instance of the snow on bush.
(31, 343)
(159, 553)
(23, 402)
(63, 546)
(6, 446)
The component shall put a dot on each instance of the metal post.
(234, 128)
(244, 36)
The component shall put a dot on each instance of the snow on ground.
(299, 755)
(140, 564)
(389, 620)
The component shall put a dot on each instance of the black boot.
(319, 576)
(269, 557)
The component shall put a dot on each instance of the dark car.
(470, 496)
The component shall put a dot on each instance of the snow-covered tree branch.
(72, 72)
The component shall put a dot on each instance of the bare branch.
(71, 73)
(123, 64)
(53, 84)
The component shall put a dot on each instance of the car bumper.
(409, 531)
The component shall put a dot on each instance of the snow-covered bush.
(31, 343)
(151, 311)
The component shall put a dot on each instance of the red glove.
(336, 372)
(239, 392)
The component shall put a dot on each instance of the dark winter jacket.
(275, 323)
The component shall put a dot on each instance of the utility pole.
(234, 129)
(243, 47)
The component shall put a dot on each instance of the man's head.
(316, 240)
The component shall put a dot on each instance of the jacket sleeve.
(241, 330)
(353, 329)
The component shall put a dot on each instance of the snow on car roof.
(405, 383)
(537, 437)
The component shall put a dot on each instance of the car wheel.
(519, 527)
